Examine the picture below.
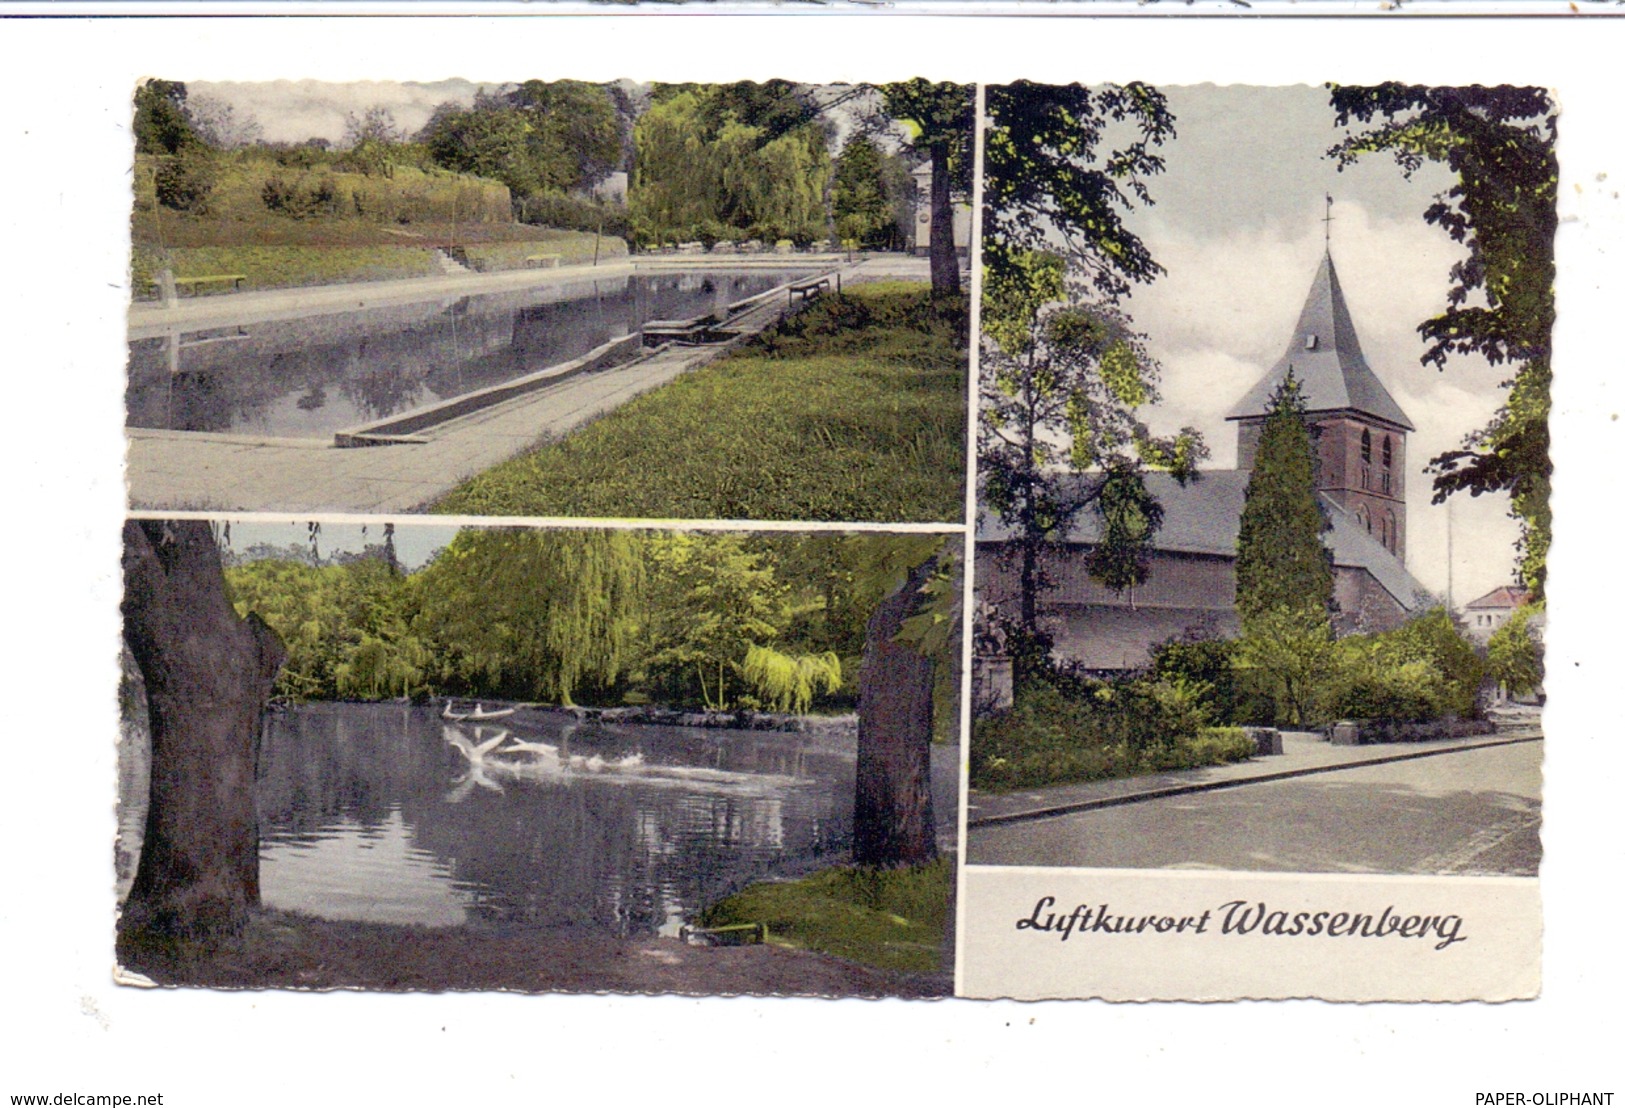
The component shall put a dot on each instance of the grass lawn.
(890, 919)
(369, 228)
(854, 409)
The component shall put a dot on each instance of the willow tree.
(1500, 144)
(715, 161)
(543, 614)
(207, 674)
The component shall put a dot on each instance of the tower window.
(1365, 446)
(1365, 477)
(1387, 483)
(1387, 452)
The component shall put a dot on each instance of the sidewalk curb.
(1210, 786)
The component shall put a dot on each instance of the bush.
(1515, 659)
(572, 213)
(299, 198)
(185, 180)
(1373, 686)
(1424, 670)
(1202, 662)
(1133, 727)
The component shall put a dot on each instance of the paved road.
(1471, 812)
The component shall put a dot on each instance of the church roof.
(1324, 354)
(1204, 517)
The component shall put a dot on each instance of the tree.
(941, 118)
(1283, 569)
(538, 137)
(1499, 142)
(1047, 176)
(1281, 562)
(372, 140)
(161, 123)
(1061, 386)
(713, 599)
(542, 614)
(911, 630)
(864, 208)
(727, 161)
(221, 125)
(207, 674)
(575, 130)
(1515, 660)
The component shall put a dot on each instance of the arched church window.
(1364, 519)
(1387, 452)
(1365, 445)
(1390, 532)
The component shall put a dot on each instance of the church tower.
(1359, 429)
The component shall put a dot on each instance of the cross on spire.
(1327, 220)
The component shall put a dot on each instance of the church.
(1359, 432)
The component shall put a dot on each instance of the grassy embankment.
(337, 227)
(1049, 739)
(853, 409)
(890, 919)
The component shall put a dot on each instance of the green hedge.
(1049, 738)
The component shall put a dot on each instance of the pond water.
(387, 813)
(310, 377)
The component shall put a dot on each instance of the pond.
(311, 377)
(387, 813)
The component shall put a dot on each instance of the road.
(1471, 812)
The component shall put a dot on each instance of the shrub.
(299, 198)
(1515, 655)
(1424, 670)
(572, 213)
(1374, 686)
(185, 180)
(1202, 662)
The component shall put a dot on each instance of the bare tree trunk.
(207, 674)
(944, 261)
(893, 821)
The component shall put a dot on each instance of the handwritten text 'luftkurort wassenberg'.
(1245, 917)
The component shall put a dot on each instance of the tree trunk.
(207, 674)
(944, 261)
(893, 821)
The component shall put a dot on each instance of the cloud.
(293, 111)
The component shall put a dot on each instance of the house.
(920, 243)
(1359, 432)
(1490, 612)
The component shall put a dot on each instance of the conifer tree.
(1281, 562)
(1283, 570)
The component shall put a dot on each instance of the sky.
(415, 543)
(293, 111)
(1237, 225)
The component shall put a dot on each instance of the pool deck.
(172, 471)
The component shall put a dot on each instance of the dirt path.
(285, 951)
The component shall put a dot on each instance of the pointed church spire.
(1324, 354)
